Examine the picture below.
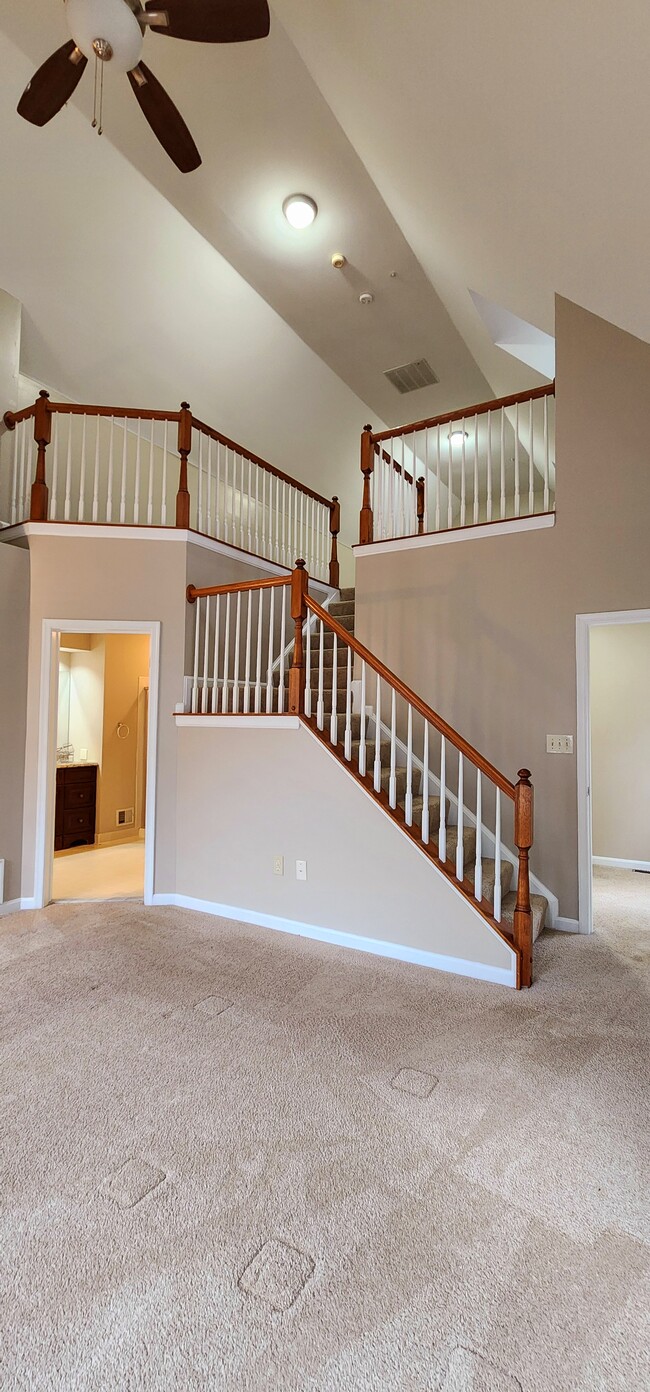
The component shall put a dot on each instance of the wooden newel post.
(367, 466)
(419, 493)
(335, 527)
(42, 436)
(523, 919)
(184, 447)
(299, 586)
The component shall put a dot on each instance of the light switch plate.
(559, 744)
(301, 869)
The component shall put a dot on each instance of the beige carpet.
(104, 872)
(232, 1159)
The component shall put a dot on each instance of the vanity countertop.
(78, 763)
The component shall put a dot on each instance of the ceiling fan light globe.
(111, 20)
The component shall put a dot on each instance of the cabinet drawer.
(82, 774)
(78, 795)
(82, 821)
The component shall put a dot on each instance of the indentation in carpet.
(132, 1182)
(212, 1005)
(277, 1274)
(414, 1082)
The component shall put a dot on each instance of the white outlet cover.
(301, 869)
(278, 865)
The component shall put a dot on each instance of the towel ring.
(123, 730)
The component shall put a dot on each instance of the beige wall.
(245, 796)
(620, 741)
(126, 673)
(14, 620)
(485, 629)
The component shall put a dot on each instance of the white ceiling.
(499, 147)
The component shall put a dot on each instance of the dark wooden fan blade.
(165, 119)
(212, 21)
(52, 86)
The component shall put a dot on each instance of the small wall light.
(299, 210)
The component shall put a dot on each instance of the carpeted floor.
(233, 1159)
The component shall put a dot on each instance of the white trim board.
(238, 722)
(10, 906)
(585, 622)
(478, 971)
(46, 772)
(618, 864)
(471, 533)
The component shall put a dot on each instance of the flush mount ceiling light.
(457, 437)
(299, 210)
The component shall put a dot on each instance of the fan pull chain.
(95, 97)
(101, 101)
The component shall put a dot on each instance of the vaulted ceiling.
(451, 146)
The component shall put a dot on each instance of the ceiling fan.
(112, 31)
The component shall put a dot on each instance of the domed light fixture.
(299, 210)
(457, 437)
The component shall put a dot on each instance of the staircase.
(342, 610)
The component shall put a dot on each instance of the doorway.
(613, 652)
(96, 775)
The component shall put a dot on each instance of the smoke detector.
(338, 260)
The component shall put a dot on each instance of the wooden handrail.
(68, 408)
(388, 459)
(192, 593)
(13, 418)
(467, 413)
(467, 750)
(263, 463)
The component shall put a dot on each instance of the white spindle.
(475, 511)
(269, 668)
(209, 488)
(82, 471)
(14, 472)
(249, 490)
(199, 492)
(362, 722)
(215, 665)
(463, 486)
(348, 707)
(111, 467)
(377, 768)
(392, 782)
(502, 498)
(136, 491)
(235, 674)
(442, 825)
(478, 863)
(308, 669)
(489, 467)
(546, 494)
(123, 479)
(152, 430)
(438, 478)
(320, 708)
(195, 669)
(283, 643)
(425, 785)
(450, 494)
(334, 719)
(247, 668)
(258, 664)
(226, 657)
(24, 474)
(391, 489)
(497, 856)
(55, 463)
(163, 506)
(257, 514)
(408, 803)
(68, 473)
(206, 650)
(302, 544)
(517, 490)
(531, 464)
(95, 509)
(460, 844)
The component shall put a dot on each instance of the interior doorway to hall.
(100, 775)
(617, 773)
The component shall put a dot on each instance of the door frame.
(47, 728)
(584, 624)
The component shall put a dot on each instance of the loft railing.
(136, 467)
(450, 799)
(488, 463)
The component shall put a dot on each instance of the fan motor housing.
(106, 29)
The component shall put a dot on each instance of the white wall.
(620, 741)
(125, 303)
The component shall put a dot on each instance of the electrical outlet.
(301, 869)
(83, 755)
(278, 865)
(559, 744)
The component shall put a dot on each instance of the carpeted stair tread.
(538, 904)
(489, 877)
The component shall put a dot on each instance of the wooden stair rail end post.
(419, 490)
(184, 447)
(335, 527)
(367, 466)
(42, 435)
(299, 588)
(523, 918)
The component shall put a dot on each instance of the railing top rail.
(118, 412)
(13, 418)
(462, 745)
(256, 459)
(466, 413)
(194, 593)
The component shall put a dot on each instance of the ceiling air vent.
(412, 376)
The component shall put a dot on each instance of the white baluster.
(248, 503)
(392, 781)
(408, 802)
(391, 489)
(68, 473)
(334, 719)
(209, 485)
(136, 490)
(257, 516)
(55, 464)
(206, 650)
(378, 503)
(15, 472)
(283, 644)
(302, 543)
(517, 491)
(195, 670)
(497, 856)
(475, 512)
(247, 667)
(450, 495)
(283, 511)
(377, 768)
(269, 668)
(82, 470)
(226, 657)
(463, 488)
(442, 825)
(546, 493)
(502, 499)
(111, 467)
(123, 480)
(320, 708)
(362, 722)
(460, 844)
(235, 674)
(279, 533)
(215, 665)
(478, 863)
(95, 503)
(437, 522)
(199, 494)
(308, 668)
(163, 505)
(489, 467)
(258, 666)
(348, 707)
(425, 785)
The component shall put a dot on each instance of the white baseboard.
(478, 971)
(10, 906)
(567, 925)
(618, 864)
